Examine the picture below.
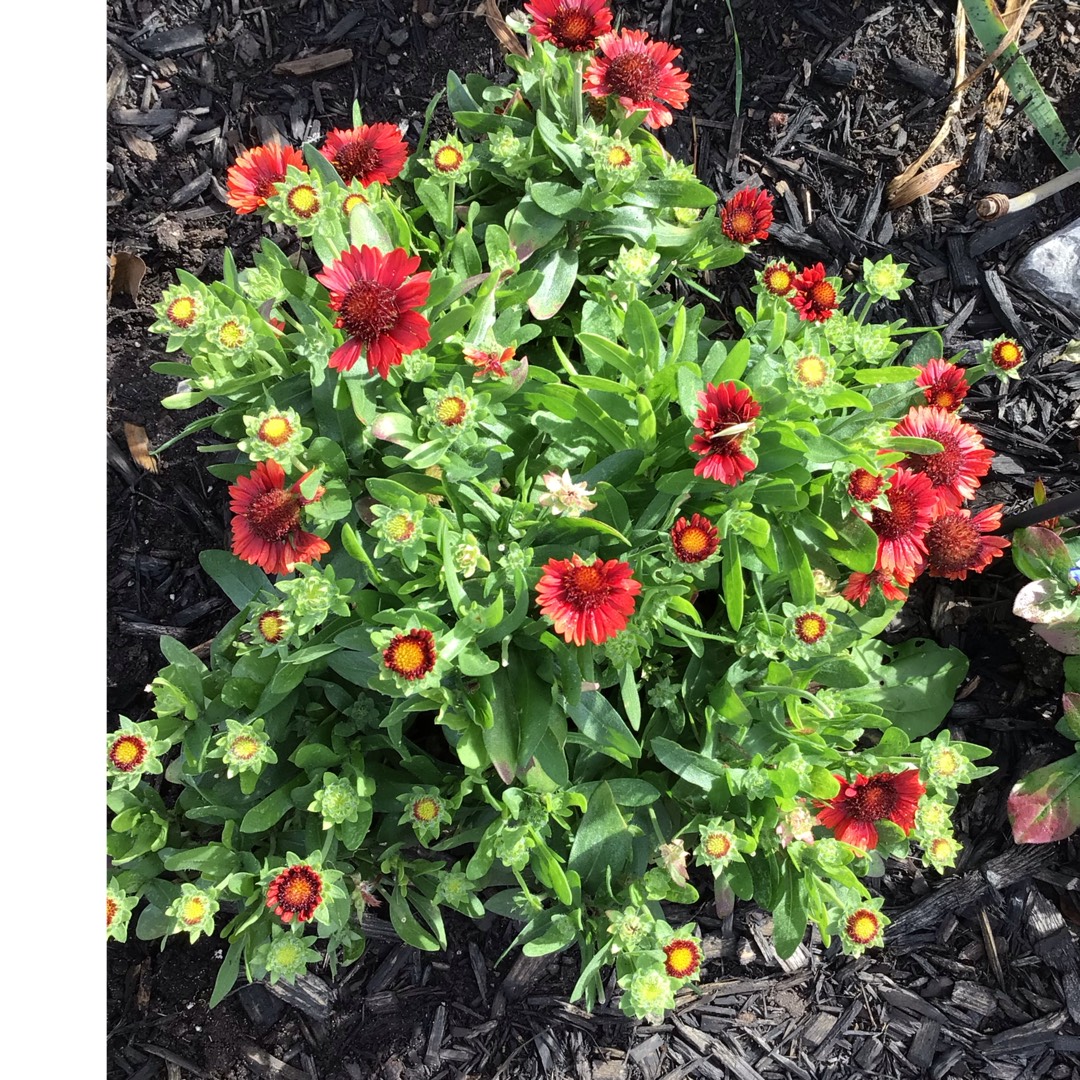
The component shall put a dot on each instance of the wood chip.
(126, 273)
(138, 445)
(271, 1067)
(138, 146)
(309, 65)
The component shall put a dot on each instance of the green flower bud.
(193, 911)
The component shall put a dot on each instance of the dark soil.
(980, 978)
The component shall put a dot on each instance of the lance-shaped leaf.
(1045, 805)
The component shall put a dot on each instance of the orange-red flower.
(411, 655)
(695, 540)
(957, 542)
(943, 384)
(903, 526)
(725, 417)
(682, 957)
(811, 627)
(778, 278)
(747, 215)
(295, 893)
(862, 926)
(255, 174)
(489, 362)
(640, 73)
(865, 800)
(569, 24)
(587, 601)
(376, 301)
(860, 586)
(128, 752)
(954, 472)
(370, 153)
(266, 526)
(815, 297)
(1006, 355)
(864, 486)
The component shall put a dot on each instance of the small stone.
(1052, 267)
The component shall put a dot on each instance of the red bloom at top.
(295, 893)
(861, 802)
(727, 414)
(370, 153)
(943, 384)
(956, 543)
(376, 301)
(682, 957)
(255, 174)
(266, 528)
(747, 215)
(901, 528)
(815, 298)
(569, 24)
(587, 601)
(695, 540)
(640, 73)
(954, 472)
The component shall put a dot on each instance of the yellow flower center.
(275, 430)
(352, 202)
(810, 628)
(811, 371)
(426, 809)
(947, 763)
(400, 527)
(448, 158)
(694, 540)
(193, 910)
(681, 958)
(941, 848)
(408, 656)
(618, 157)
(303, 200)
(231, 335)
(717, 845)
(451, 411)
(1008, 352)
(244, 747)
(125, 751)
(778, 280)
(182, 311)
(862, 927)
(271, 626)
(111, 908)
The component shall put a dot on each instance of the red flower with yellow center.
(254, 177)
(128, 752)
(860, 586)
(864, 486)
(862, 926)
(231, 334)
(376, 300)
(271, 626)
(352, 202)
(778, 279)
(426, 809)
(569, 24)
(451, 411)
(111, 908)
(957, 542)
(810, 627)
(303, 201)
(244, 747)
(901, 529)
(682, 957)
(815, 298)
(747, 215)
(695, 540)
(370, 153)
(193, 910)
(411, 655)
(619, 157)
(488, 362)
(1006, 355)
(726, 415)
(275, 430)
(717, 845)
(447, 158)
(954, 472)
(266, 526)
(943, 384)
(587, 601)
(295, 893)
(640, 73)
(865, 800)
(183, 311)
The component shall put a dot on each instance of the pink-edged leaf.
(1045, 805)
(1043, 601)
(1040, 553)
(394, 427)
(1069, 725)
(1064, 637)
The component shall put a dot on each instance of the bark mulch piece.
(980, 976)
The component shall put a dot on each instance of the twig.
(992, 207)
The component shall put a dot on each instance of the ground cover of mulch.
(981, 976)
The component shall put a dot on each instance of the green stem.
(579, 100)
(804, 694)
(450, 218)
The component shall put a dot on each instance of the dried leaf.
(903, 191)
(507, 38)
(139, 447)
(308, 65)
(126, 272)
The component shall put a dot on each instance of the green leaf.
(1041, 553)
(881, 376)
(924, 349)
(733, 582)
(602, 848)
(598, 721)
(693, 767)
(558, 199)
(213, 861)
(1045, 805)
(789, 915)
(558, 272)
(408, 927)
(523, 711)
(530, 228)
(238, 580)
(661, 194)
(227, 973)
(266, 814)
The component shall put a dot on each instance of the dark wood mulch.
(980, 978)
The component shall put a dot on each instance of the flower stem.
(576, 63)
(450, 193)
